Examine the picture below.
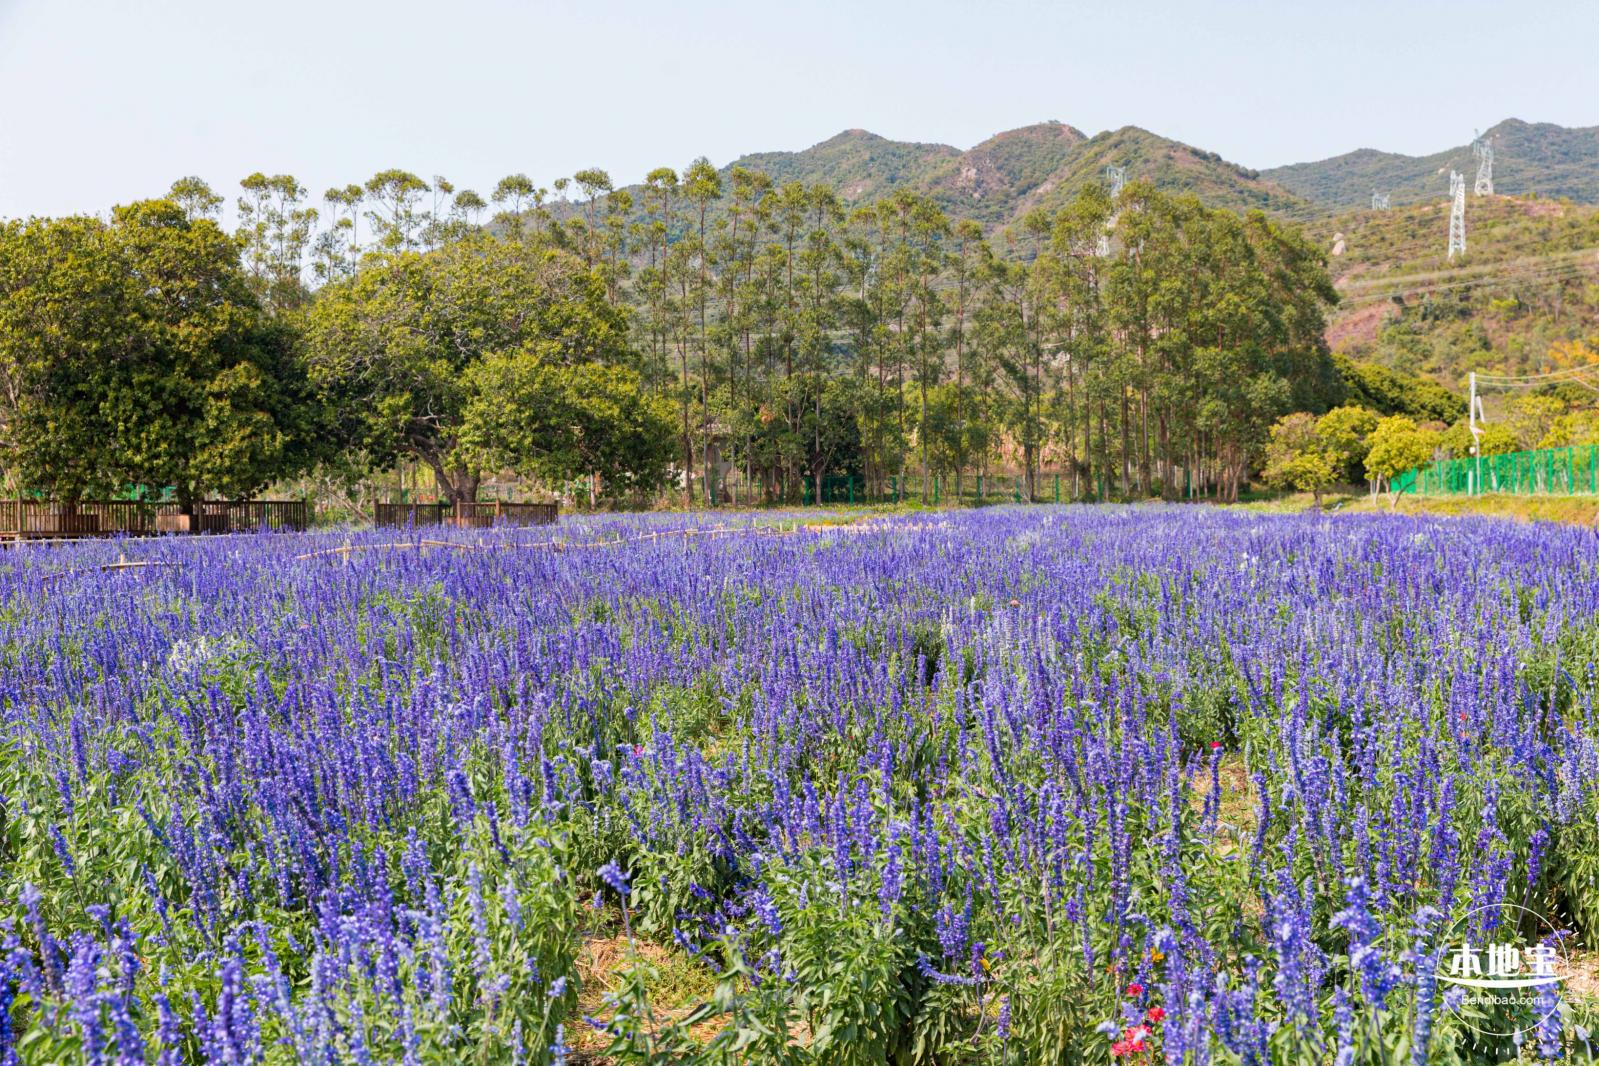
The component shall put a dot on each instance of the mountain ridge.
(1530, 159)
(1002, 177)
(998, 180)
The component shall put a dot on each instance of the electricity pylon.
(1484, 151)
(1457, 214)
(1117, 176)
(1379, 200)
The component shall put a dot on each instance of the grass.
(677, 982)
(1571, 510)
(1294, 502)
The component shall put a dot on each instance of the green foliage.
(394, 347)
(1397, 444)
(1496, 439)
(1571, 428)
(1298, 457)
(396, 196)
(1345, 431)
(794, 339)
(276, 230)
(1389, 392)
(528, 413)
(137, 355)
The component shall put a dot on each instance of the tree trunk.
(458, 484)
(688, 437)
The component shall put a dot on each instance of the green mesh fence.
(1546, 471)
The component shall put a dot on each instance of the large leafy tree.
(133, 353)
(530, 412)
(1298, 457)
(1388, 392)
(394, 348)
(1397, 445)
(1345, 430)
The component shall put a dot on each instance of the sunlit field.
(1041, 785)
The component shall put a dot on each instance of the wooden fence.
(466, 515)
(48, 519)
(42, 519)
(409, 514)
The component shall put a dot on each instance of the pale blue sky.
(103, 101)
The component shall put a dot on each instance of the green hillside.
(1043, 165)
(1170, 166)
(1001, 179)
(1529, 282)
(986, 182)
(859, 165)
(1530, 159)
(992, 182)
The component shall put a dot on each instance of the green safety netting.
(1544, 471)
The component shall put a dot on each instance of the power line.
(1390, 280)
(1552, 273)
(1548, 377)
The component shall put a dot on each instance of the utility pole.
(1476, 436)
(1457, 214)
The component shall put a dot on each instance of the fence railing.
(409, 514)
(1543, 471)
(468, 515)
(973, 488)
(138, 518)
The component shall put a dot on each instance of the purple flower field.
(1032, 785)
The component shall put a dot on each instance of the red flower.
(1156, 1015)
(1215, 745)
(1135, 989)
(1131, 1043)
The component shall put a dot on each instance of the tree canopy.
(397, 346)
(135, 354)
(1298, 457)
(1398, 445)
(1142, 345)
(529, 411)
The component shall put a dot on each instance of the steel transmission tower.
(1117, 176)
(1484, 151)
(1379, 200)
(1457, 214)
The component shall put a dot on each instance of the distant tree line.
(1390, 424)
(658, 338)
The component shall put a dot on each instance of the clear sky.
(104, 101)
